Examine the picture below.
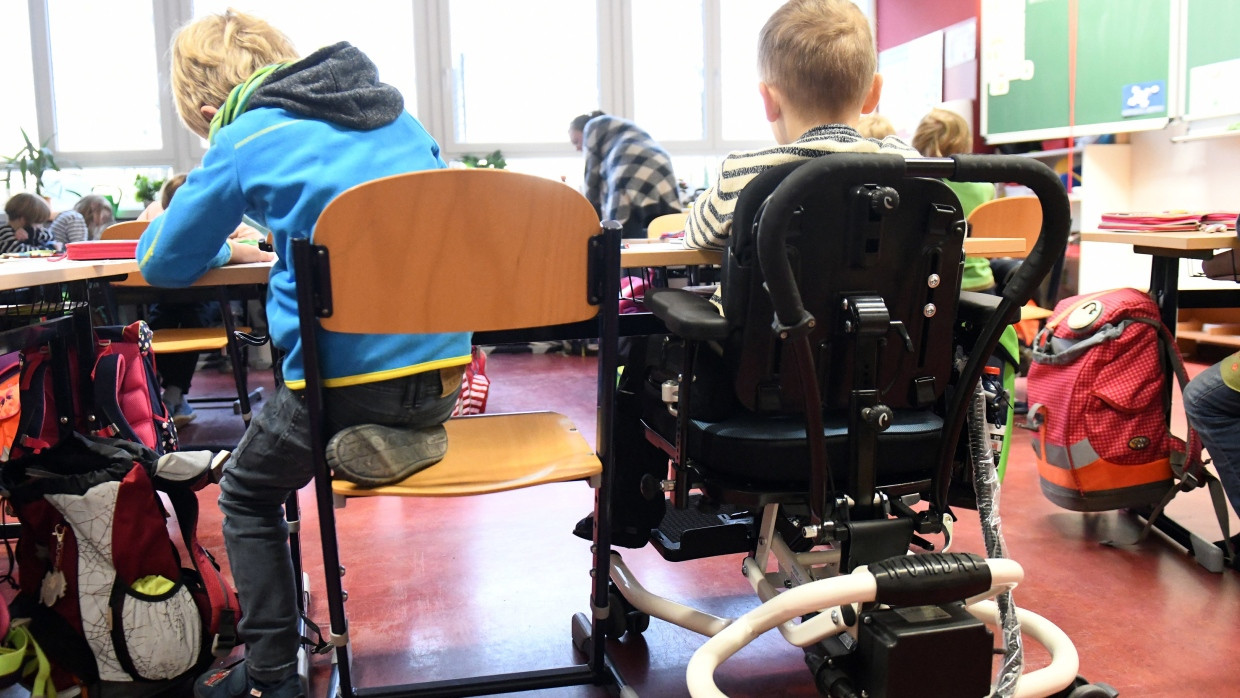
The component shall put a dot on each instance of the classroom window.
(107, 90)
(19, 111)
(521, 70)
(740, 21)
(383, 31)
(669, 77)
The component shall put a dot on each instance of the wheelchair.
(856, 362)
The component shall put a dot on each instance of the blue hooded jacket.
(310, 131)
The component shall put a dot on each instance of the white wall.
(1153, 174)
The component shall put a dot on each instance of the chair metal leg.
(292, 514)
(234, 355)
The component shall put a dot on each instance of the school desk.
(659, 253)
(1165, 250)
(672, 253)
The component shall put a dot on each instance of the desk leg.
(1165, 288)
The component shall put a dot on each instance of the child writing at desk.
(85, 221)
(286, 137)
(24, 231)
(817, 64)
(176, 370)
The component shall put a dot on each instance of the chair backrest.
(843, 241)
(457, 251)
(1009, 217)
(126, 230)
(667, 223)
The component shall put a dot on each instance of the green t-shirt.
(977, 274)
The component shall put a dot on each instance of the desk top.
(640, 253)
(1186, 241)
(21, 273)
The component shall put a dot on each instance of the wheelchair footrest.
(696, 532)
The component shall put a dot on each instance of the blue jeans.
(1213, 408)
(272, 461)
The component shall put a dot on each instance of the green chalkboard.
(1120, 44)
(1211, 41)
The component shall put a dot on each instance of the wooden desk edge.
(658, 254)
(1188, 241)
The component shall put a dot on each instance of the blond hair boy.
(287, 136)
(817, 65)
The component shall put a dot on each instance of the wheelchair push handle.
(1056, 214)
(790, 314)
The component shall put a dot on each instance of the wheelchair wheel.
(622, 617)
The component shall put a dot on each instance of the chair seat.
(771, 451)
(494, 453)
(182, 339)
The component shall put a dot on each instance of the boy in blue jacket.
(286, 137)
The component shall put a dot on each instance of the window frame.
(182, 150)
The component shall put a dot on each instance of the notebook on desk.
(101, 249)
(1170, 221)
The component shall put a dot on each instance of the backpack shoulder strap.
(107, 375)
(33, 399)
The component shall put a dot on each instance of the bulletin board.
(1122, 65)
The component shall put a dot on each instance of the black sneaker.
(371, 455)
(235, 682)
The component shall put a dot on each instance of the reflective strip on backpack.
(1079, 455)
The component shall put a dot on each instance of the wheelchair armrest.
(687, 315)
(975, 308)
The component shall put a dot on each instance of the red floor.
(443, 588)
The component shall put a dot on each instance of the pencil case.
(101, 249)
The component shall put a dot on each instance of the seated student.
(1212, 404)
(310, 129)
(85, 221)
(628, 175)
(875, 125)
(24, 231)
(817, 65)
(942, 133)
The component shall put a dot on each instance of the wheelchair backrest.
(863, 231)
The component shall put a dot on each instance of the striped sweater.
(710, 221)
(37, 239)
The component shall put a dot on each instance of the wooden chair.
(196, 339)
(1011, 217)
(667, 223)
(468, 250)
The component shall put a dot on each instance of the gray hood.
(338, 84)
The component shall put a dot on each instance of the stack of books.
(1171, 221)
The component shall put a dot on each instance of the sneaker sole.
(371, 448)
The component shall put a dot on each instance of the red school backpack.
(108, 595)
(1097, 392)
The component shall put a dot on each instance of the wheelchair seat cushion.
(764, 451)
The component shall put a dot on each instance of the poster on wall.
(912, 81)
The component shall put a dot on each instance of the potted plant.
(148, 189)
(494, 159)
(31, 160)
